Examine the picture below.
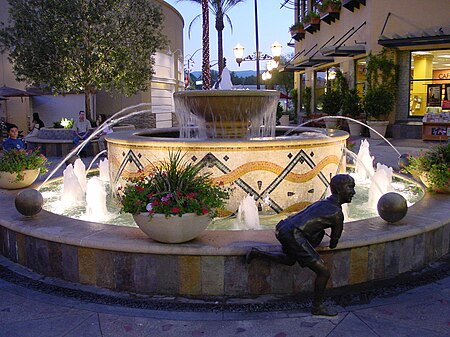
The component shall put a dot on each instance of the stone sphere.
(392, 207)
(403, 161)
(29, 202)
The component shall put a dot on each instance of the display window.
(325, 79)
(430, 84)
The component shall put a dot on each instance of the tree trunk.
(219, 28)
(206, 73)
(87, 105)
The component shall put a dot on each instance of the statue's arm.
(336, 230)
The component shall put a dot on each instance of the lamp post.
(257, 56)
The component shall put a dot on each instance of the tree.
(219, 8)
(82, 45)
(282, 81)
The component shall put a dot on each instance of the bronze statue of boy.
(302, 232)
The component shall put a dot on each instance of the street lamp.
(257, 56)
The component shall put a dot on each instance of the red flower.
(191, 195)
(139, 188)
(175, 210)
(204, 211)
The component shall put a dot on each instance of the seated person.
(12, 142)
(36, 125)
(81, 127)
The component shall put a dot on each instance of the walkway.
(416, 305)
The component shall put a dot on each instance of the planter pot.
(284, 120)
(9, 180)
(354, 128)
(380, 126)
(173, 229)
(331, 123)
(445, 189)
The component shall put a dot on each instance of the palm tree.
(206, 69)
(219, 8)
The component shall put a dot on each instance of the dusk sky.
(273, 25)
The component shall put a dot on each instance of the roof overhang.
(343, 50)
(315, 61)
(291, 69)
(412, 40)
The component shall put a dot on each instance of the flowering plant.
(433, 165)
(16, 161)
(173, 187)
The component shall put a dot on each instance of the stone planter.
(445, 189)
(9, 180)
(379, 126)
(354, 128)
(284, 120)
(331, 123)
(173, 229)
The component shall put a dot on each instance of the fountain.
(282, 174)
(235, 140)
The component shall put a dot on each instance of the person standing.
(13, 142)
(301, 233)
(81, 128)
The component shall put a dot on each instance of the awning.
(315, 60)
(411, 40)
(291, 69)
(343, 50)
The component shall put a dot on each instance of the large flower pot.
(379, 126)
(354, 128)
(332, 123)
(444, 189)
(173, 229)
(9, 180)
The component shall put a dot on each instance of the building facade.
(168, 79)
(416, 33)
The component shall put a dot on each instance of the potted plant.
(327, 6)
(379, 99)
(432, 167)
(173, 202)
(351, 107)
(20, 168)
(297, 31)
(329, 10)
(331, 104)
(311, 22)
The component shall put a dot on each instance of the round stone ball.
(29, 202)
(392, 207)
(403, 161)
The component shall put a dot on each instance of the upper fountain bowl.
(229, 113)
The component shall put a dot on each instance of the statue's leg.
(278, 257)
(323, 275)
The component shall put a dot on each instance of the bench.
(58, 147)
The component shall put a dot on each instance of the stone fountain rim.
(61, 229)
(226, 93)
(136, 136)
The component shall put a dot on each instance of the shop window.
(430, 83)
(324, 80)
(360, 78)
(302, 86)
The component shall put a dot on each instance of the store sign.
(446, 105)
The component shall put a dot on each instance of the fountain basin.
(229, 113)
(282, 173)
(125, 259)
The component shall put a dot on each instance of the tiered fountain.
(281, 173)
